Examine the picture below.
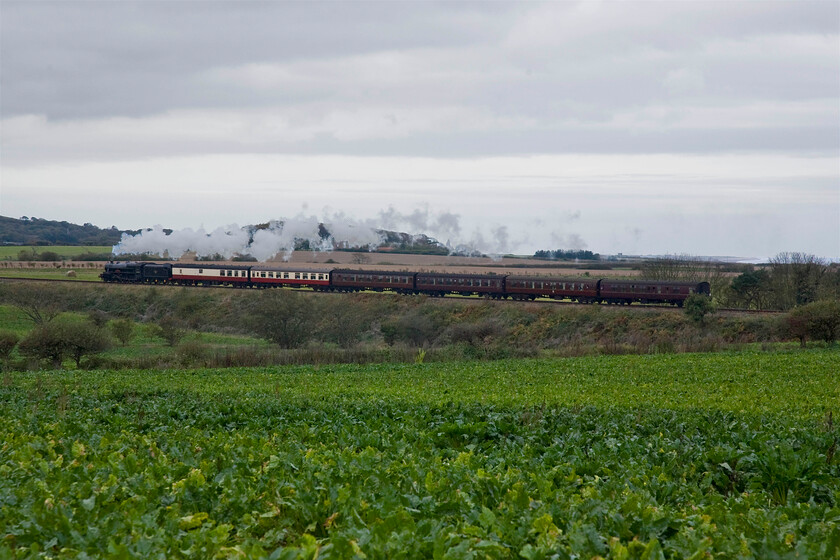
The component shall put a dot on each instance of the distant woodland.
(37, 231)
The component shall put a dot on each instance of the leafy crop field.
(669, 456)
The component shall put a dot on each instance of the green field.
(51, 273)
(10, 252)
(669, 456)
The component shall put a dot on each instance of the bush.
(819, 321)
(282, 317)
(45, 342)
(98, 318)
(8, 341)
(123, 330)
(697, 306)
(169, 330)
(192, 352)
(57, 340)
(83, 339)
(414, 328)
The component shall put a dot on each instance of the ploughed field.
(665, 456)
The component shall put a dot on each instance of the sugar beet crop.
(691, 456)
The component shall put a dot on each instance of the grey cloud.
(80, 59)
(134, 80)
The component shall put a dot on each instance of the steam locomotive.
(495, 286)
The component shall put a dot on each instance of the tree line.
(787, 281)
(38, 231)
(567, 255)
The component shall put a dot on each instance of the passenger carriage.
(437, 284)
(376, 280)
(210, 275)
(271, 277)
(532, 287)
(649, 291)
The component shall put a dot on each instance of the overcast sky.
(707, 128)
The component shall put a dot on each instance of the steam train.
(495, 286)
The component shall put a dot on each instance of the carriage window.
(201, 271)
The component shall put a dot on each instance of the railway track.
(638, 306)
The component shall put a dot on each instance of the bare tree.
(686, 268)
(677, 268)
(361, 258)
(40, 303)
(795, 278)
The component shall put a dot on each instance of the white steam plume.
(280, 237)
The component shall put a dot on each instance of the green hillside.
(37, 231)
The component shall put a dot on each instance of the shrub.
(819, 320)
(282, 317)
(414, 328)
(98, 318)
(697, 306)
(123, 330)
(83, 339)
(8, 341)
(44, 342)
(192, 352)
(59, 339)
(169, 330)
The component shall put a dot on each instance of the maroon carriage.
(649, 291)
(584, 290)
(376, 280)
(438, 284)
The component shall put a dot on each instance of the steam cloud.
(282, 236)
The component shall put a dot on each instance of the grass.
(143, 343)
(51, 273)
(10, 252)
(13, 319)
